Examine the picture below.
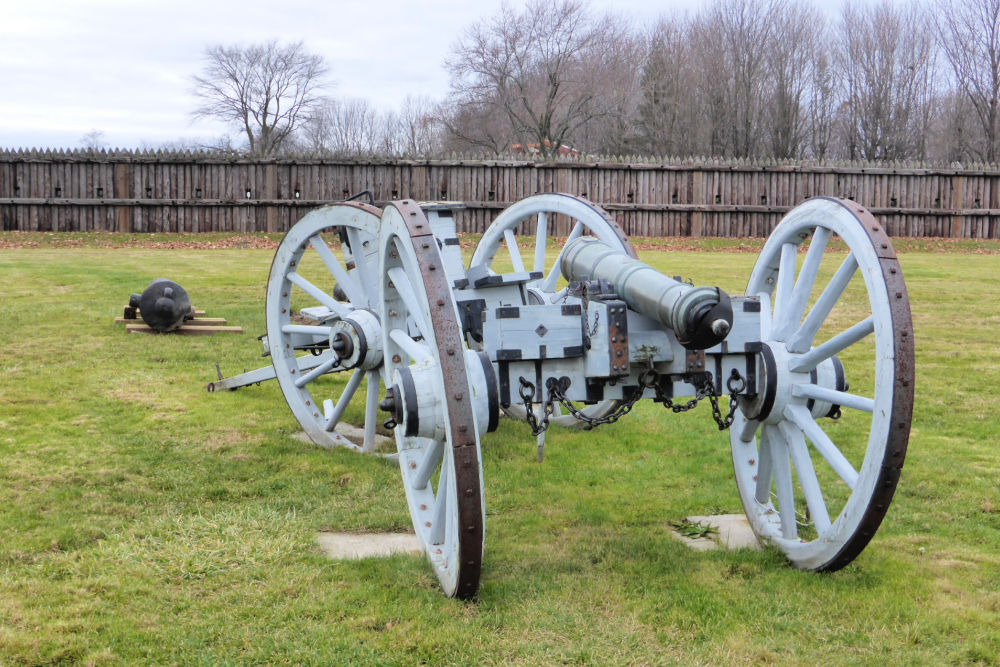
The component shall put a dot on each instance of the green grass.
(145, 520)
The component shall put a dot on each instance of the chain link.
(527, 392)
(557, 390)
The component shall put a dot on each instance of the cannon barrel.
(701, 317)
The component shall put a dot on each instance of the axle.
(701, 317)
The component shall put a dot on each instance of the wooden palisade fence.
(209, 192)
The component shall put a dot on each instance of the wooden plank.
(185, 330)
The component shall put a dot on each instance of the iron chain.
(527, 392)
(648, 379)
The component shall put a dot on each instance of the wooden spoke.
(792, 314)
(783, 482)
(807, 477)
(371, 411)
(783, 286)
(418, 351)
(318, 294)
(414, 307)
(439, 522)
(822, 444)
(840, 398)
(838, 343)
(549, 284)
(802, 339)
(428, 464)
(346, 282)
(307, 329)
(749, 430)
(336, 412)
(368, 273)
(322, 369)
(765, 315)
(541, 236)
(765, 470)
(515, 254)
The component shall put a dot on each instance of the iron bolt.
(458, 397)
(395, 358)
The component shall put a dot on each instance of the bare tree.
(666, 123)
(93, 140)
(795, 38)
(887, 63)
(267, 90)
(969, 34)
(535, 64)
(346, 127)
(822, 99)
(416, 127)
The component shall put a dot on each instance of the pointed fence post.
(123, 190)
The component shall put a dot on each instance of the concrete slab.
(341, 546)
(732, 531)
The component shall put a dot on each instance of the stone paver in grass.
(342, 546)
(731, 531)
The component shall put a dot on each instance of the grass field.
(145, 520)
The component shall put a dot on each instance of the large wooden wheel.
(321, 294)
(818, 487)
(434, 404)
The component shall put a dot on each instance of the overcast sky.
(123, 67)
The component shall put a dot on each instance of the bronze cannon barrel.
(701, 317)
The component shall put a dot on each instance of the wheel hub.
(415, 404)
(357, 340)
(777, 388)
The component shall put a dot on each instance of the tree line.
(780, 79)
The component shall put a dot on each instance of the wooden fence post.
(123, 190)
(271, 192)
(957, 202)
(698, 198)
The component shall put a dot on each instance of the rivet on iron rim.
(440, 302)
(458, 397)
(451, 352)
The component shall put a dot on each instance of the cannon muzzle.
(701, 317)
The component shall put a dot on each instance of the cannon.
(810, 369)
(163, 305)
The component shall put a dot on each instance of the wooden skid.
(205, 321)
(127, 308)
(186, 329)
